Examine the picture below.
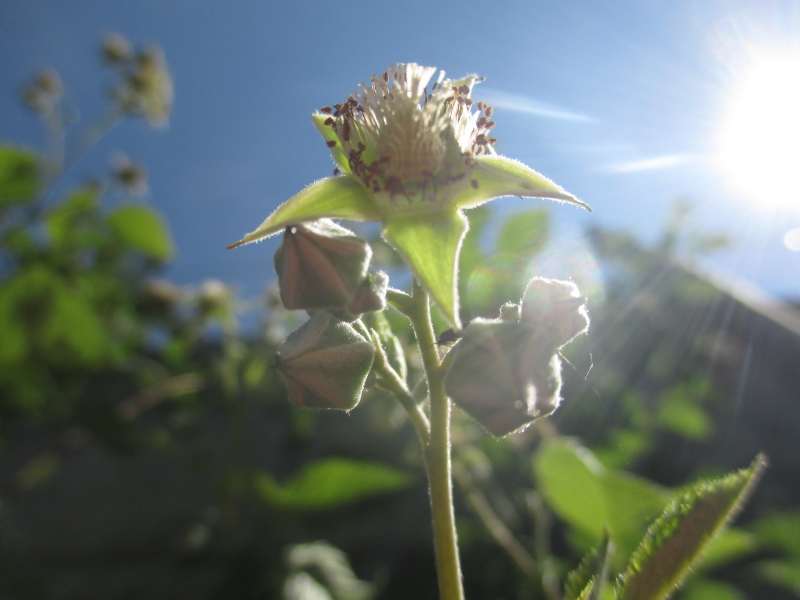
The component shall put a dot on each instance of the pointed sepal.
(323, 123)
(341, 197)
(430, 245)
(495, 176)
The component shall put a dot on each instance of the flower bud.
(371, 296)
(116, 49)
(504, 374)
(320, 265)
(325, 363)
(556, 306)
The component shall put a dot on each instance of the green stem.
(437, 452)
(391, 382)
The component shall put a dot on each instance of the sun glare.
(759, 142)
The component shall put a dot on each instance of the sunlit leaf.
(143, 229)
(330, 483)
(19, 174)
(679, 537)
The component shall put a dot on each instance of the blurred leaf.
(707, 589)
(329, 569)
(330, 483)
(634, 502)
(60, 219)
(495, 281)
(780, 531)
(683, 416)
(729, 545)
(784, 573)
(586, 582)
(524, 234)
(590, 497)
(19, 174)
(302, 586)
(144, 229)
(679, 537)
(570, 479)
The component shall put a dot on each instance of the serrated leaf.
(678, 538)
(19, 174)
(587, 580)
(143, 229)
(330, 483)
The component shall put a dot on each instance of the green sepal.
(496, 176)
(341, 197)
(679, 537)
(430, 245)
(328, 134)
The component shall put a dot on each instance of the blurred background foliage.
(147, 449)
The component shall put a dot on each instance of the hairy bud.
(325, 363)
(321, 265)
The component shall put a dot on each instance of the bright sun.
(759, 142)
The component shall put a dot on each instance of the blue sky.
(619, 104)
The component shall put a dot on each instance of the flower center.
(413, 149)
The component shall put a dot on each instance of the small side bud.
(320, 265)
(557, 306)
(371, 296)
(505, 375)
(325, 363)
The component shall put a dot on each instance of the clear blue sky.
(618, 103)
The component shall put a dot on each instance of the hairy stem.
(437, 452)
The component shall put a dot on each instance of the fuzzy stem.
(437, 452)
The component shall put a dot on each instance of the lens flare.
(759, 141)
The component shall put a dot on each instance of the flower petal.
(496, 176)
(342, 197)
(430, 245)
(329, 135)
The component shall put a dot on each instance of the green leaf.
(678, 538)
(330, 483)
(143, 229)
(707, 589)
(19, 175)
(782, 572)
(780, 531)
(524, 234)
(498, 176)
(570, 479)
(60, 219)
(590, 497)
(729, 545)
(341, 197)
(430, 245)
(587, 580)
